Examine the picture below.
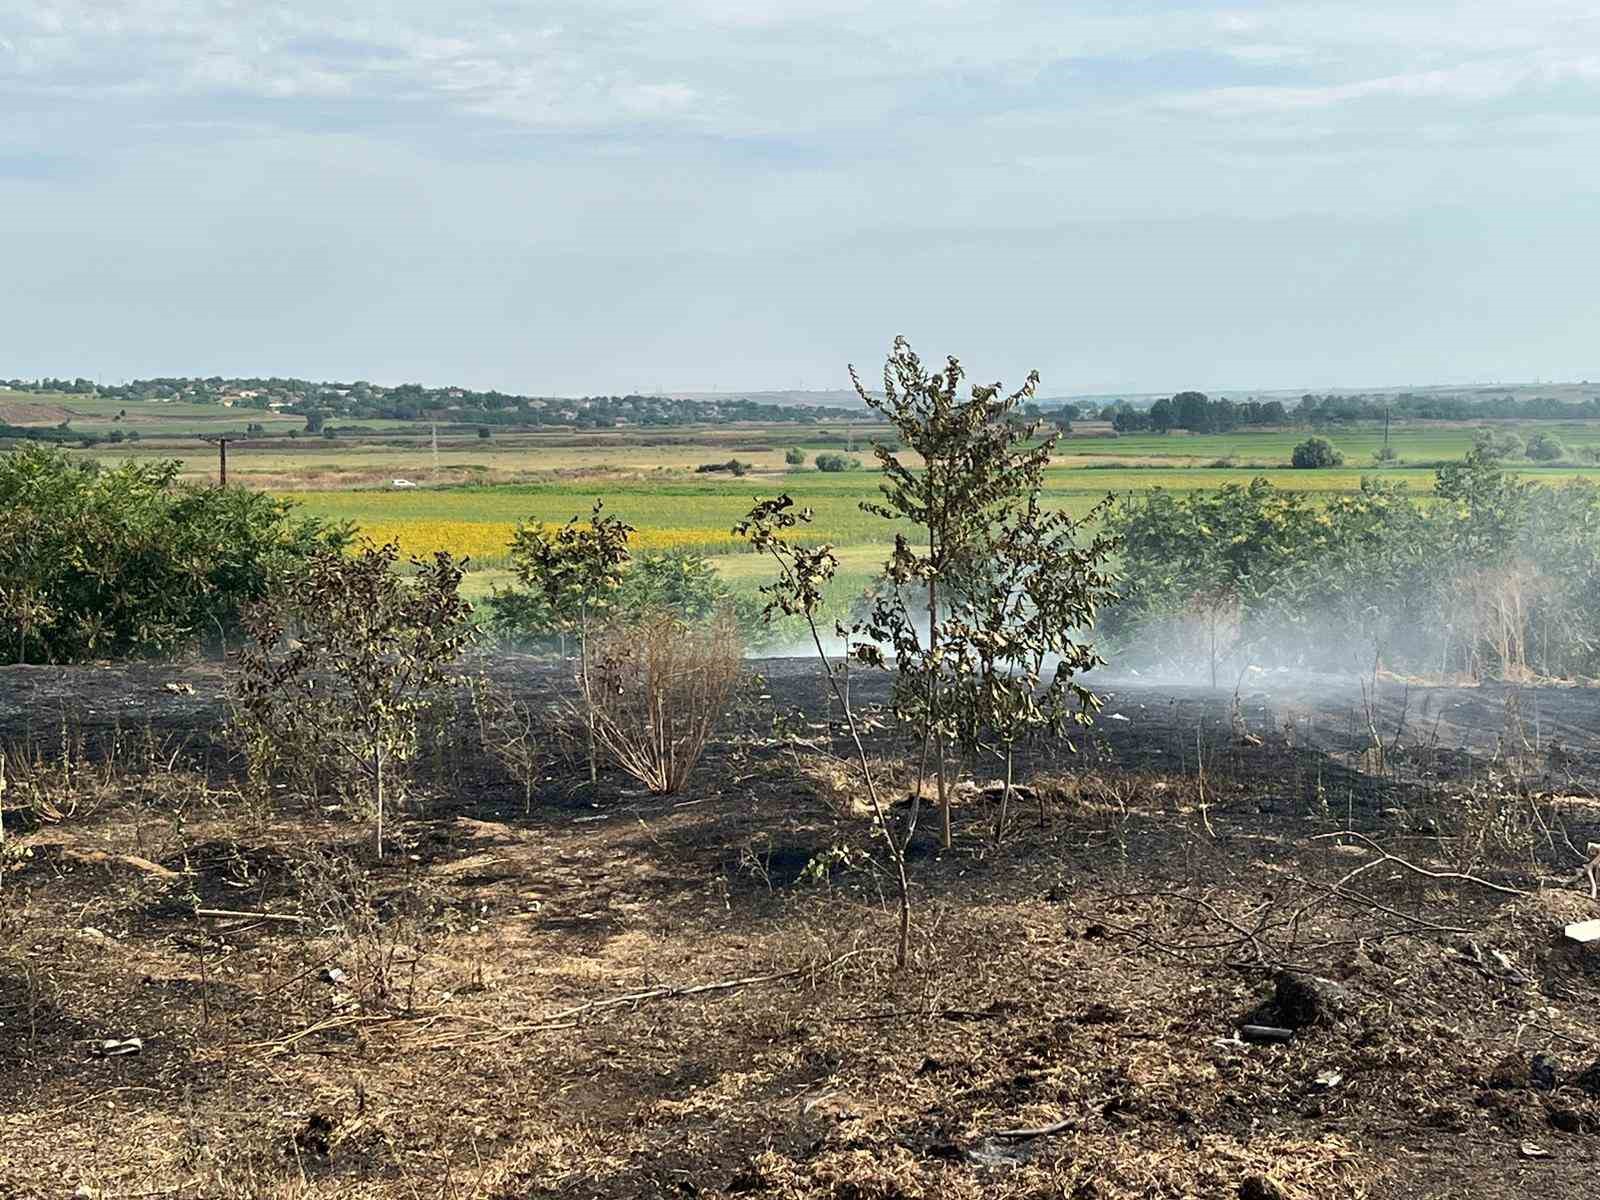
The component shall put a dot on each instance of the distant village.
(321, 402)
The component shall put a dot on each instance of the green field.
(472, 491)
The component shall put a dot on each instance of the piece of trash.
(1529, 1150)
(1329, 1080)
(1583, 931)
(331, 975)
(117, 1047)
(180, 689)
(1118, 717)
(992, 1153)
(1265, 1033)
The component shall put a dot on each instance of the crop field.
(472, 491)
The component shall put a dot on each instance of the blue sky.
(609, 196)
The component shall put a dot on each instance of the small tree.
(343, 664)
(1316, 453)
(675, 582)
(973, 497)
(794, 456)
(803, 576)
(576, 572)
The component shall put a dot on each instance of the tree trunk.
(1213, 649)
(377, 778)
(588, 694)
(1005, 802)
(933, 702)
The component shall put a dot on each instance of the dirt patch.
(612, 995)
(31, 413)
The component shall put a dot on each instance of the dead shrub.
(513, 734)
(380, 939)
(660, 687)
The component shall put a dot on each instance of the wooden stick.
(1018, 1135)
(249, 916)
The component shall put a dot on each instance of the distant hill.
(321, 403)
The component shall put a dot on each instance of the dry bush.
(660, 687)
(513, 734)
(379, 939)
(1495, 617)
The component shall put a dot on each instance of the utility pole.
(222, 462)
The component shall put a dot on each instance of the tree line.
(1196, 412)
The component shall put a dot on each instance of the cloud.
(754, 152)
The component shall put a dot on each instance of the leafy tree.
(372, 651)
(794, 456)
(1545, 447)
(575, 573)
(1040, 583)
(1192, 411)
(314, 422)
(1224, 561)
(1498, 444)
(672, 582)
(1316, 453)
(991, 584)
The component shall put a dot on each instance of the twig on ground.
(250, 916)
(1039, 1131)
(1386, 856)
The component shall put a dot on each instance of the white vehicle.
(403, 483)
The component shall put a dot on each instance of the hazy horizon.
(631, 196)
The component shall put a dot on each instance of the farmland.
(473, 491)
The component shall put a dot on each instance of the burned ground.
(505, 1005)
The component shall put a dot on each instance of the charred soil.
(609, 994)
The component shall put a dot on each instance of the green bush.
(1546, 447)
(837, 462)
(794, 456)
(1315, 453)
(111, 562)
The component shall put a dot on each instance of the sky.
(627, 195)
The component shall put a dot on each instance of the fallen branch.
(1459, 876)
(1021, 1135)
(249, 916)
